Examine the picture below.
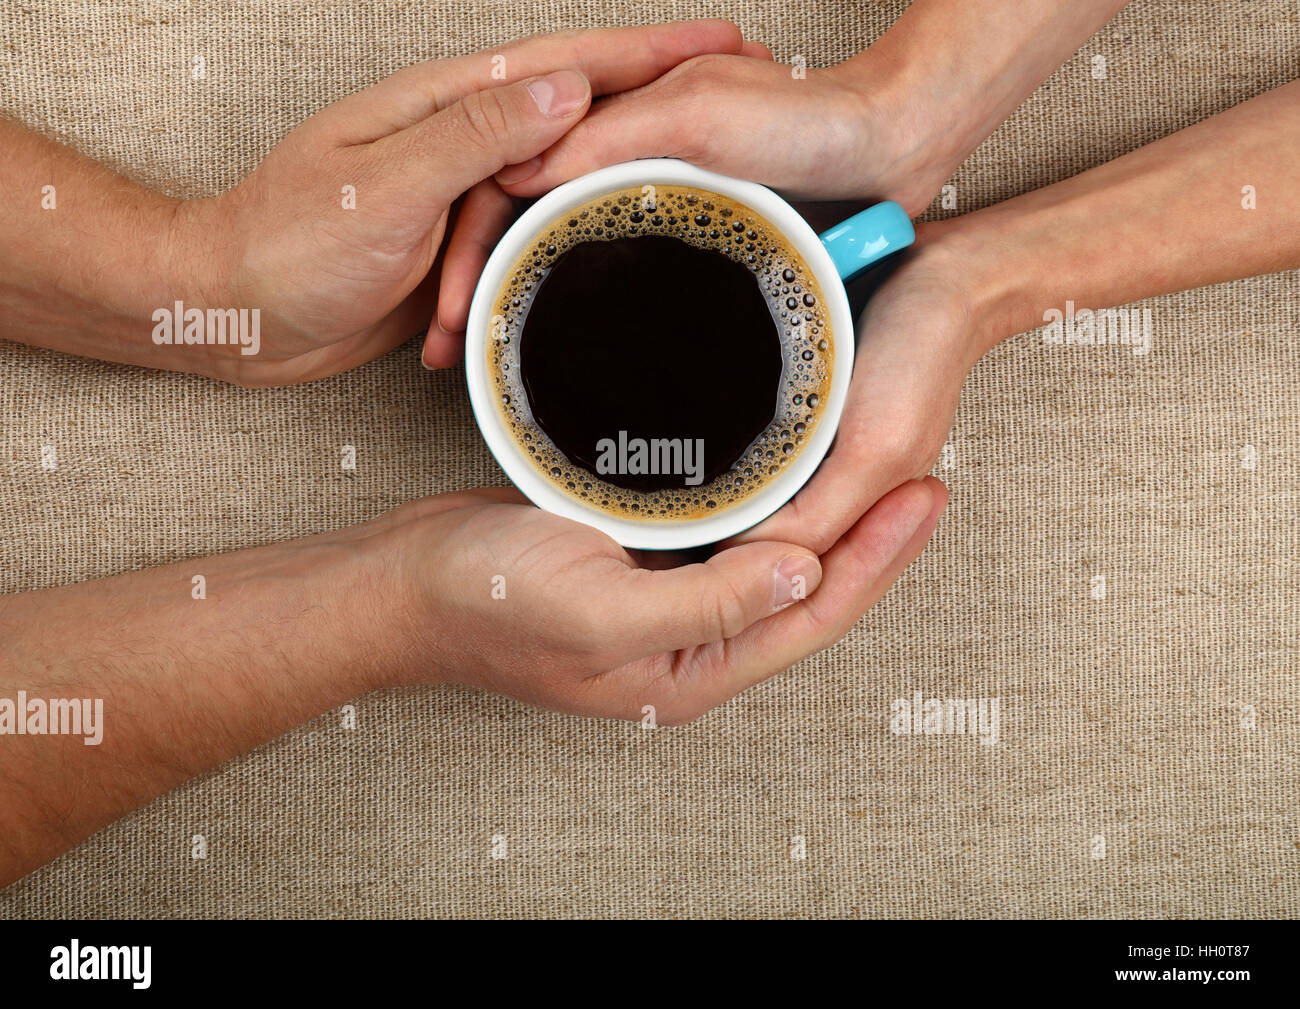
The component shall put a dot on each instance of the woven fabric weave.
(1124, 718)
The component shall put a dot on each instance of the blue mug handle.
(868, 237)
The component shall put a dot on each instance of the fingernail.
(559, 94)
(424, 350)
(793, 579)
(511, 174)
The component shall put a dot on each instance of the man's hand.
(477, 588)
(333, 237)
(580, 625)
(339, 286)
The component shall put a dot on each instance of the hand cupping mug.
(663, 352)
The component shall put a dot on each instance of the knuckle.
(484, 118)
(726, 617)
(670, 693)
(411, 511)
(691, 85)
(701, 70)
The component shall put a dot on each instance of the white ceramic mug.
(832, 256)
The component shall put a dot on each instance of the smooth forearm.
(276, 636)
(946, 93)
(1173, 215)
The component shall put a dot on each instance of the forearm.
(1167, 217)
(87, 256)
(282, 634)
(946, 92)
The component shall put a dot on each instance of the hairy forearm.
(947, 92)
(1173, 215)
(278, 635)
(87, 256)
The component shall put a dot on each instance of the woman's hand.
(892, 122)
(816, 136)
(922, 332)
(811, 133)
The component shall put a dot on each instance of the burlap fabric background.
(1124, 718)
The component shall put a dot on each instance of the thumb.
(650, 122)
(474, 138)
(702, 603)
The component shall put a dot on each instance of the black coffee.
(667, 342)
(660, 353)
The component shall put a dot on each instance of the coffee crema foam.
(708, 221)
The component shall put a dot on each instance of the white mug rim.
(639, 533)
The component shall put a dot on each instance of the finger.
(484, 216)
(654, 611)
(906, 384)
(441, 157)
(441, 349)
(497, 495)
(613, 59)
(438, 504)
(756, 50)
(647, 123)
(856, 573)
(843, 488)
(662, 560)
(865, 564)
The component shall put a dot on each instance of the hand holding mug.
(335, 234)
(575, 623)
(923, 330)
(643, 365)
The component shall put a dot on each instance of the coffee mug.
(833, 257)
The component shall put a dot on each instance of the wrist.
(991, 266)
(411, 585)
(150, 274)
(196, 270)
(197, 253)
(169, 263)
(912, 130)
(337, 597)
